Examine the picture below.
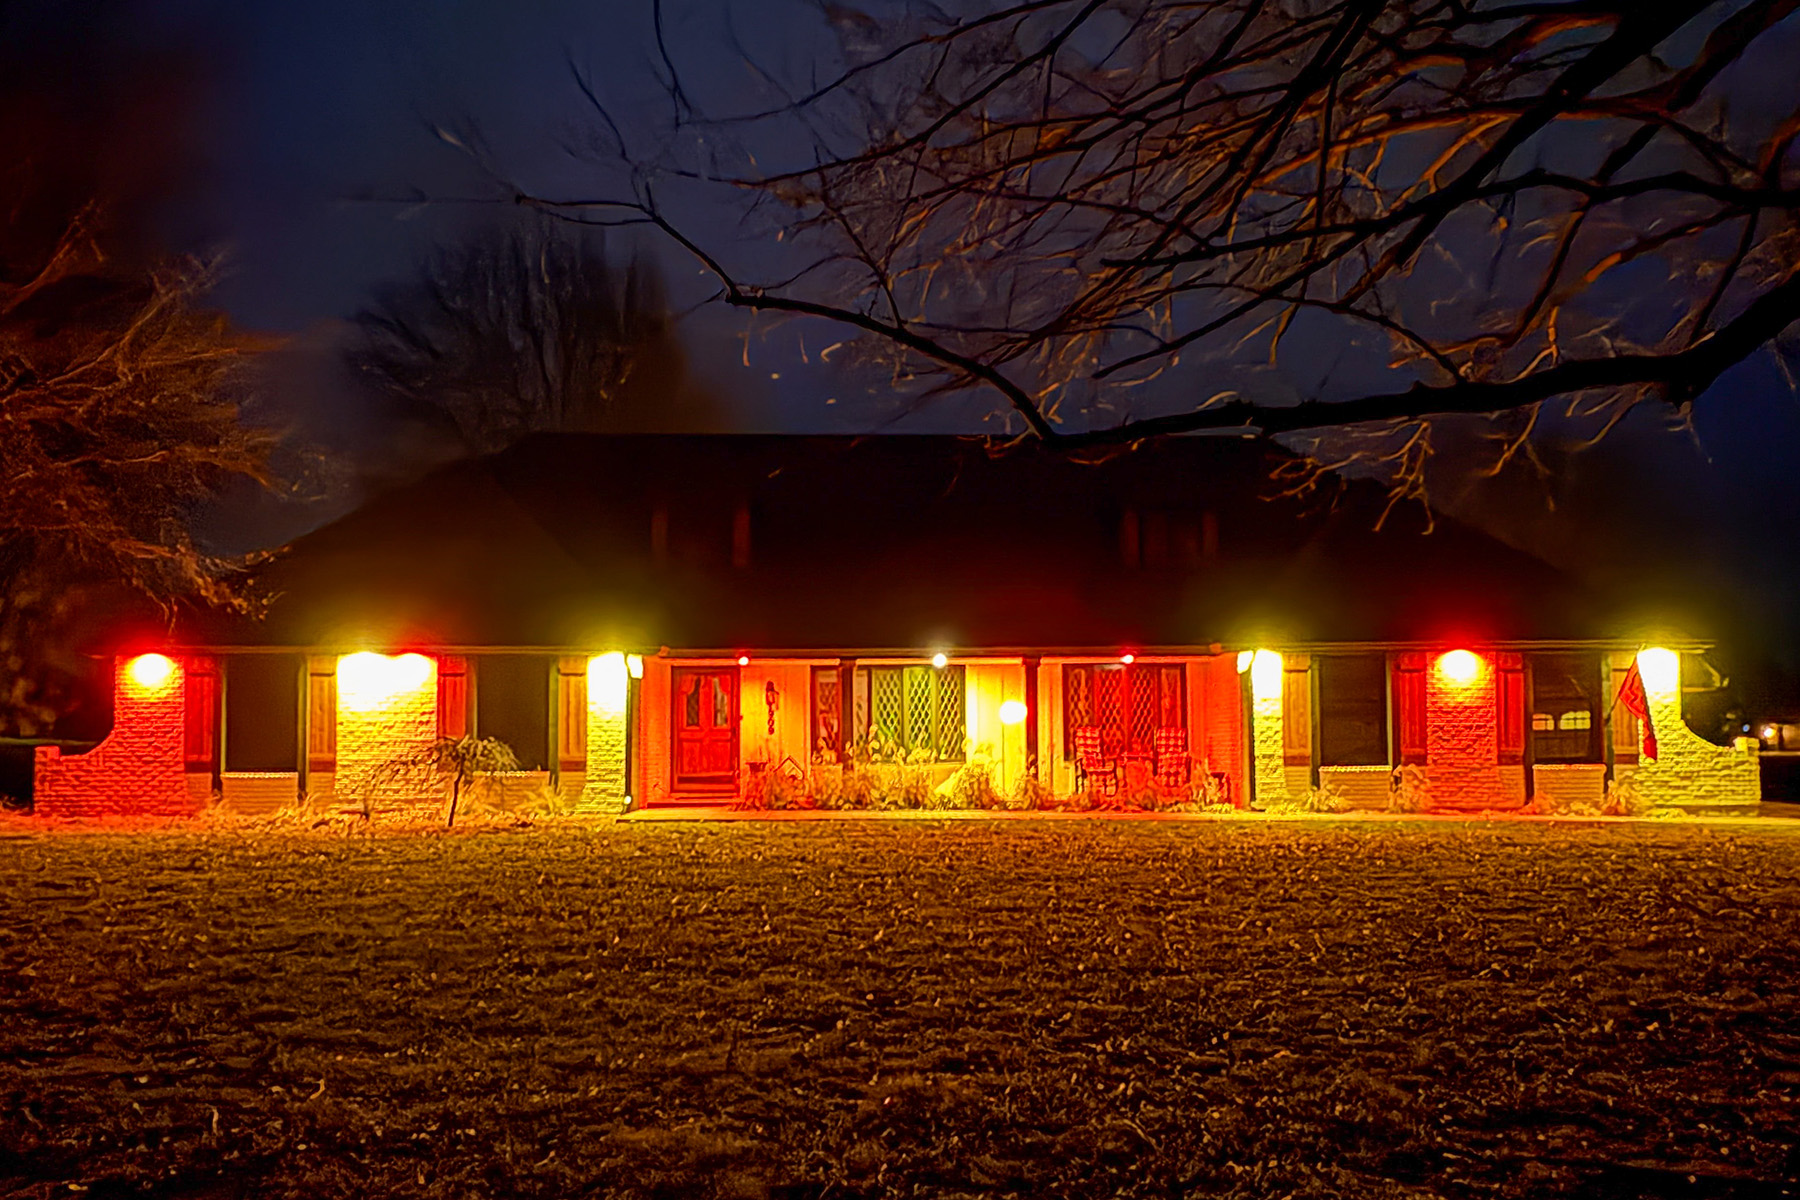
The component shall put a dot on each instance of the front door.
(706, 729)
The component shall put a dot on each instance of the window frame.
(903, 677)
(1547, 744)
(1380, 751)
(827, 706)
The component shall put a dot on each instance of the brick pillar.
(608, 688)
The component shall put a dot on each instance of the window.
(262, 708)
(1565, 707)
(828, 713)
(1128, 704)
(512, 703)
(1352, 710)
(918, 709)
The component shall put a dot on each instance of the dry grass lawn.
(1083, 1008)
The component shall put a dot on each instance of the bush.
(457, 761)
(972, 787)
(1408, 790)
(1323, 799)
(523, 800)
(1624, 798)
(783, 791)
(1031, 794)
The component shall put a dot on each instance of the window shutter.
(1409, 707)
(1296, 710)
(453, 696)
(572, 711)
(1510, 700)
(321, 714)
(201, 712)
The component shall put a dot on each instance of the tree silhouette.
(523, 329)
(1108, 211)
(118, 416)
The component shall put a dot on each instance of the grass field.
(1097, 1008)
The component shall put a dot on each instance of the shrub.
(525, 800)
(1408, 790)
(1206, 793)
(910, 786)
(784, 791)
(860, 786)
(1625, 798)
(1323, 799)
(458, 761)
(972, 787)
(1031, 794)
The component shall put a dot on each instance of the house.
(667, 620)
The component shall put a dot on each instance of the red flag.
(1631, 695)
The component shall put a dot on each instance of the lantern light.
(369, 681)
(606, 682)
(1128, 658)
(1460, 667)
(940, 660)
(1265, 675)
(1660, 670)
(743, 660)
(1012, 712)
(150, 672)
(634, 665)
(1244, 659)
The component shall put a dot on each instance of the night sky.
(300, 140)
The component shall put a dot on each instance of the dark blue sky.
(309, 128)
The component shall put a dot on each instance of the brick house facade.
(667, 620)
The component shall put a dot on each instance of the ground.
(1085, 1008)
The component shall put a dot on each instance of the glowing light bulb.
(1660, 670)
(370, 681)
(1128, 658)
(1244, 659)
(1459, 667)
(1012, 712)
(606, 682)
(940, 660)
(743, 660)
(1265, 674)
(150, 672)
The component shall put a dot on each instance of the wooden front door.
(706, 729)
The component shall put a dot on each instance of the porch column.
(1031, 716)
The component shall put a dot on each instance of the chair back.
(1172, 763)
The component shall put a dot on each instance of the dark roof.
(892, 542)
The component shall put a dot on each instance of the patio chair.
(1099, 773)
(1173, 766)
